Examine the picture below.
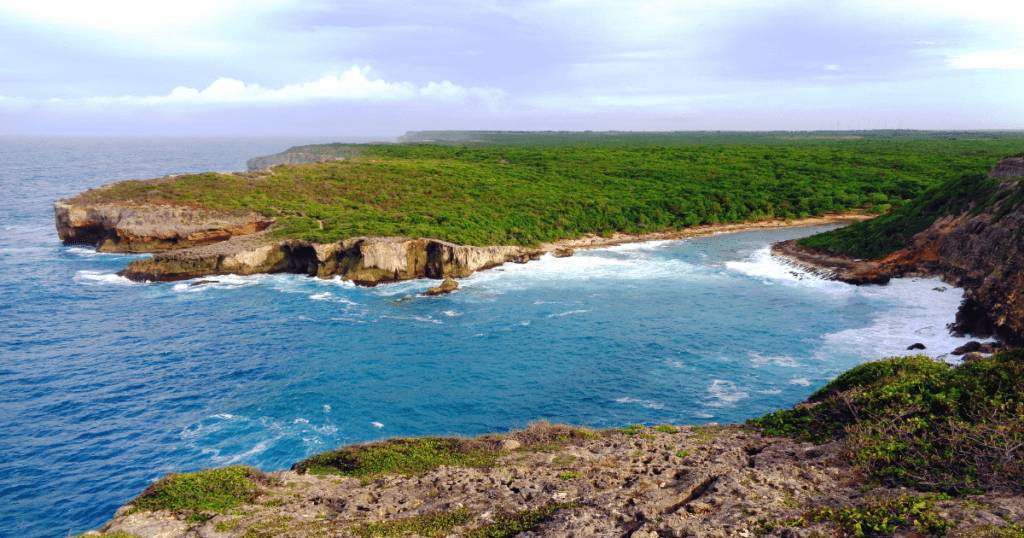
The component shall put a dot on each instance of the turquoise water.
(106, 385)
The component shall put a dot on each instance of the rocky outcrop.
(1009, 168)
(709, 481)
(270, 161)
(446, 287)
(366, 261)
(127, 227)
(980, 250)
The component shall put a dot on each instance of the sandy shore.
(597, 241)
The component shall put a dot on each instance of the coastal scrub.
(911, 421)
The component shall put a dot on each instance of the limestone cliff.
(978, 249)
(128, 227)
(366, 261)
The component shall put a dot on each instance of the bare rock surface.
(706, 481)
(126, 227)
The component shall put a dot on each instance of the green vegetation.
(215, 490)
(633, 430)
(884, 235)
(880, 518)
(436, 524)
(398, 456)
(665, 428)
(911, 421)
(568, 475)
(544, 192)
(683, 454)
(509, 524)
(1014, 530)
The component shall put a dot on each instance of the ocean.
(106, 385)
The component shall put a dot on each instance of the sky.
(383, 67)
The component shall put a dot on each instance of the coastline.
(197, 243)
(596, 241)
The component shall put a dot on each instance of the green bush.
(215, 490)
(398, 456)
(915, 422)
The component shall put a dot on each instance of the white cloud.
(833, 67)
(352, 85)
(131, 15)
(988, 59)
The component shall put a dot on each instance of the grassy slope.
(524, 195)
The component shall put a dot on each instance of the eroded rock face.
(366, 261)
(123, 227)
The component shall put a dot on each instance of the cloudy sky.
(382, 67)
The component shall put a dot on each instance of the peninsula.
(383, 213)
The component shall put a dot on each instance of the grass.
(665, 428)
(399, 456)
(434, 524)
(911, 421)
(568, 475)
(509, 524)
(216, 490)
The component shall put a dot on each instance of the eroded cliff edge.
(977, 248)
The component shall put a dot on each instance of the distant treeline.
(496, 194)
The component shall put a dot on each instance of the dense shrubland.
(525, 195)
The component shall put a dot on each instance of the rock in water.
(563, 252)
(918, 345)
(969, 347)
(447, 286)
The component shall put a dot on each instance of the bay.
(107, 385)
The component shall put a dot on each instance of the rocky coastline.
(978, 250)
(190, 242)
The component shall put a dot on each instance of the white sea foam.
(772, 269)
(570, 312)
(637, 263)
(802, 381)
(300, 421)
(789, 362)
(920, 315)
(725, 393)
(229, 460)
(327, 409)
(377, 425)
(646, 403)
(100, 278)
(223, 416)
(770, 391)
(330, 297)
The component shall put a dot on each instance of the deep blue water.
(106, 385)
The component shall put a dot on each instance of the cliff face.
(270, 161)
(980, 251)
(363, 260)
(121, 227)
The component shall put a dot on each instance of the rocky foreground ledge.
(902, 447)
